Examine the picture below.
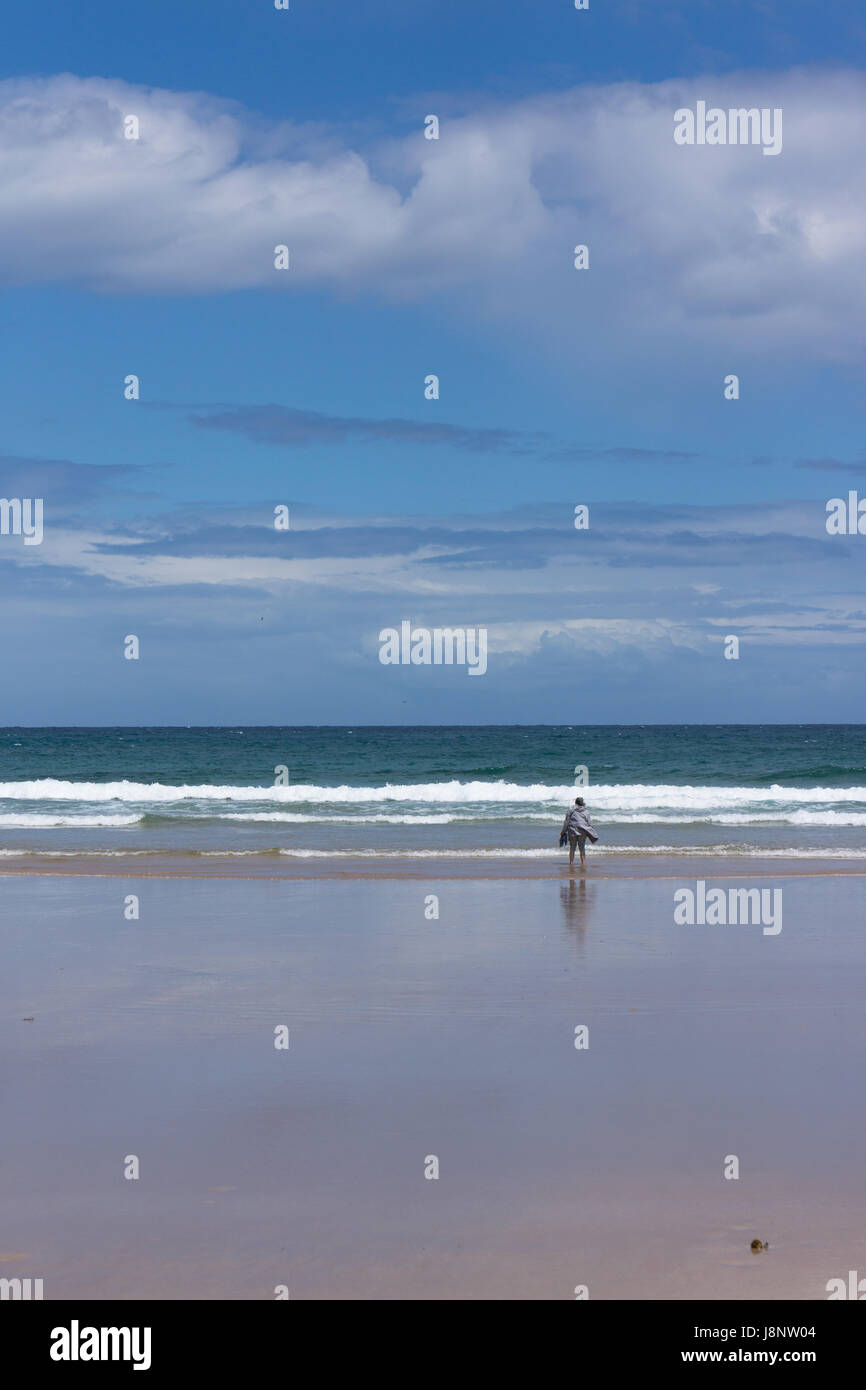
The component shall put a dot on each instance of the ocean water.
(418, 792)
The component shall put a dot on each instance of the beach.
(432, 751)
(413, 1037)
(380, 866)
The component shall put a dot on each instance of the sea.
(431, 792)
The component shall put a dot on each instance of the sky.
(305, 387)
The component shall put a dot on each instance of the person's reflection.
(576, 907)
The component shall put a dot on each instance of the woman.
(577, 826)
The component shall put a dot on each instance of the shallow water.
(480, 792)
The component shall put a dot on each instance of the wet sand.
(153, 864)
(413, 1036)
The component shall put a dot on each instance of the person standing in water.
(577, 826)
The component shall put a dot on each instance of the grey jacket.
(577, 822)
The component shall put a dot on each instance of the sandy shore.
(414, 869)
(414, 1036)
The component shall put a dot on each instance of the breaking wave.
(125, 803)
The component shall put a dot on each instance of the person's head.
(579, 801)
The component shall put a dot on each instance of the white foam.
(628, 797)
(705, 851)
(288, 818)
(38, 821)
(638, 851)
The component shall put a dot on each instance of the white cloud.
(598, 635)
(682, 238)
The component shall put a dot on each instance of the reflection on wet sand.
(454, 1036)
(577, 905)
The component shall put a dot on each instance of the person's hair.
(578, 801)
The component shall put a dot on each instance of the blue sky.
(411, 257)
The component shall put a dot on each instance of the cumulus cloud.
(681, 238)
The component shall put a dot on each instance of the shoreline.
(355, 868)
